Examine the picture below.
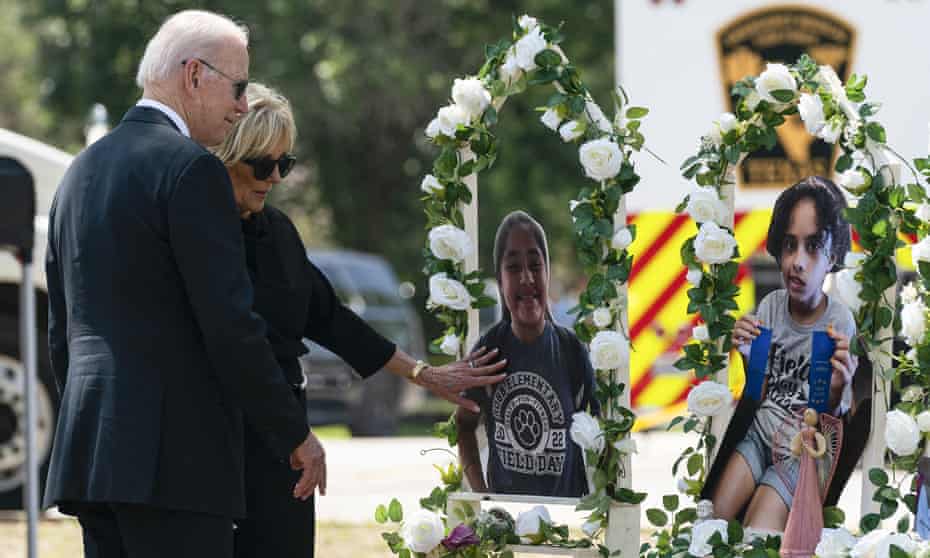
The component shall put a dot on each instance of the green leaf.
(670, 502)
(878, 477)
(895, 552)
(904, 524)
(395, 511)
(844, 162)
(888, 508)
(833, 516)
(734, 532)
(869, 522)
(694, 463)
(381, 515)
(636, 112)
(657, 517)
(548, 58)
(783, 95)
(876, 131)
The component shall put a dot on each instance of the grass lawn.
(61, 538)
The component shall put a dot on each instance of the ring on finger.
(471, 363)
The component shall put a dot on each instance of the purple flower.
(460, 537)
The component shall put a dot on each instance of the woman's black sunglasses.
(264, 166)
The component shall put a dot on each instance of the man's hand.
(451, 380)
(309, 457)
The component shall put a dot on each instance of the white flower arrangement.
(835, 112)
(462, 131)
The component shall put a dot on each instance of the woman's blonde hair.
(268, 121)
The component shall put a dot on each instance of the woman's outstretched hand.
(449, 381)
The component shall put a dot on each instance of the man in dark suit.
(152, 341)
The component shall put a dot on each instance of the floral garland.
(435, 531)
(868, 170)
(463, 132)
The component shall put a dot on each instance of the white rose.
(920, 252)
(601, 159)
(586, 432)
(551, 119)
(704, 205)
(909, 293)
(752, 101)
(901, 433)
(422, 531)
(811, 109)
(431, 184)
(590, 528)
(571, 130)
(528, 524)
(694, 276)
(622, 239)
(602, 317)
(866, 546)
(527, 23)
(835, 543)
(528, 47)
(597, 117)
(923, 212)
(852, 180)
(914, 322)
(709, 398)
(609, 350)
(912, 393)
(728, 122)
(827, 78)
(900, 540)
(704, 530)
(626, 445)
(471, 95)
(714, 136)
(510, 71)
(448, 242)
(447, 292)
(776, 77)
(923, 421)
(700, 332)
(432, 129)
(848, 289)
(831, 131)
(713, 245)
(851, 111)
(450, 345)
(450, 117)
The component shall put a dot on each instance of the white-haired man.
(152, 340)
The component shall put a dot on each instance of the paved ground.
(370, 471)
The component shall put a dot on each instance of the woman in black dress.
(296, 300)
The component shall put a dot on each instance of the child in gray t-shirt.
(808, 237)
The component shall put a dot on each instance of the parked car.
(335, 393)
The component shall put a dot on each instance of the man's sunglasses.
(239, 85)
(264, 166)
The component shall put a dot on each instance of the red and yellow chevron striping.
(659, 323)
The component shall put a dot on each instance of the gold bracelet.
(419, 367)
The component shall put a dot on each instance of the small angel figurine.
(813, 457)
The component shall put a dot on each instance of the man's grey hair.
(185, 35)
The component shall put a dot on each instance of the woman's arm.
(469, 458)
(450, 380)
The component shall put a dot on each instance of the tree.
(365, 77)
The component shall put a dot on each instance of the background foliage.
(365, 77)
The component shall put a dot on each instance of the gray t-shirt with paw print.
(528, 415)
